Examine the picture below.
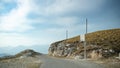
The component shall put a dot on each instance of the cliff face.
(100, 44)
(65, 47)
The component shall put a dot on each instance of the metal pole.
(86, 25)
(85, 43)
(66, 34)
(84, 50)
(66, 37)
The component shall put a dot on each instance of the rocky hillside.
(106, 38)
(25, 59)
(105, 43)
(2, 55)
(22, 54)
(27, 52)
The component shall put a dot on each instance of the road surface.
(51, 62)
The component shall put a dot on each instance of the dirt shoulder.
(28, 62)
(108, 63)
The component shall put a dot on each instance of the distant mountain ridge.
(24, 54)
(3, 54)
(17, 49)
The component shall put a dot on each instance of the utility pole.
(86, 25)
(66, 37)
(85, 42)
(66, 34)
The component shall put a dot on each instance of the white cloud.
(1, 7)
(15, 39)
(60, 21)
(66, 21)
(16, 19)
(58, 7)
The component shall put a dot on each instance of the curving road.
(50, 62)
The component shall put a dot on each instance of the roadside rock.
(99, 44)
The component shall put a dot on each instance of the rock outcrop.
(64, 48)
(27, 53)
(23, 54)
(25, 59)
(97, 47)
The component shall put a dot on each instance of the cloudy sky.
(41, 22)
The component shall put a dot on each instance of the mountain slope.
(24, 59)
(3, 54)
(105, 38)
(98, 41)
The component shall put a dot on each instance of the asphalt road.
(51, 62)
